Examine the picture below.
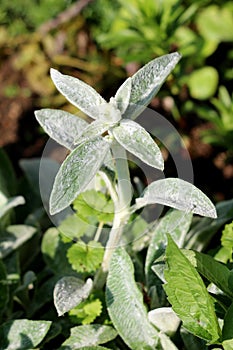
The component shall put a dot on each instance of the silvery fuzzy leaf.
(61, 126)
(147, 81)
(122, 96)
(78, 93)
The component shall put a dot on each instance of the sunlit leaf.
(86, 312)
(61, 126)
(137, 141)
(76, 172)
(78, 93)
(96, 128)
(125, 304)
(164, 319)
(8, 203)
(122, 96)
(203, 83)
(178, 194)
(69, 292)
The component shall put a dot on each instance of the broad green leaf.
(13, 237)
(85, 257)
(203, 83)
(164, 319)
(61, 126)
(7, 204)
(125, 304)
(78, 93)
(22, 334)
(225, 253)
(188, 295)
(76, 172)
(176, 223)
(227, 330)
(191, 342)
(122, 96)
(147, 81)
(69, 292)
(4, 290)
(178, 194)
(138, 141)
(75, 226)
(211, 269)
(88, 336)
(86, 312)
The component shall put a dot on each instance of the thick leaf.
(122, 96)
(178, 194)
(4, 289)
(137, 140)
(78, 93)
(61, 126)
(125, 304)
(147, 81)
(76, 172)
(22, 334)
(14, 237)
(211, 269)
(188, 295)
(96, 128)
(164, 319)
(88, 336)
(69, 292)
(227, 331)
(7, 204)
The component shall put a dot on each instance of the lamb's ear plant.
(105, 142)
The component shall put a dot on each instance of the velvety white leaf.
(7, 204)
(164, 319)
(78, 93)
(166, 342)
(61, 126)
(122, 96)
(69, 292)
(96, 128)
(178, 194)
(76, 172)
(135, 139)
(147, 81)
(125, 304)
(89, 336)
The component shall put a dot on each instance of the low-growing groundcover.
(159, 292)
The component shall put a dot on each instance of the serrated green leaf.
(122, 96)
(7, 204)
(86, 312)
(70, 291)
(147, 81)
(61, 126)
(165, 319)
(85, 257)
(227, 330)
(138, 141)
(78, 93)
(178, 194)
(75, 226)
(125, 304)
(88, 336)
(188, 295)
(76, 172)
(22, 334)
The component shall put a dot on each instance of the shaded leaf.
(188, 295)
(166, 343)
(7, 175)
(76, 172)
(4, 289)
(227, 330)
(7, 204)
(70, 291)
(61, 126)
(138, 141)
(78, 93)
(147, 81)
(125, 304)
(22, 334)
(178, 194)
(88, 336)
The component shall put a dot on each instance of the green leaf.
(122, 96)
(225, 253)
(4, 289)
(203, 83)
(227, 344)
(7, 175)
(88, 336)
(76, 172)
(14, 237)
(78, 93)
(75, 226)
(165, 319)
(23, 334)
(191, 342)
(147, 81)
(86, 312)
(85, 257)
(188, 295)
(61, 126)
(227, 330)
(178, 194)
(138, 141)
(211, 269)
(69, 292)
(7, 204)
(125, 304)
